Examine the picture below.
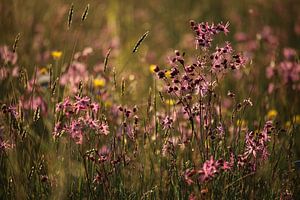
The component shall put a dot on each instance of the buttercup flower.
(56, 54)
(168, 74)
(272, 114)
(99, 82)
(152, 68)
(170, 102)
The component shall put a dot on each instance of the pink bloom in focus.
(104, 129)
(81, 103)
(209, 170)
(94, 107)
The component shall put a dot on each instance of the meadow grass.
(127, 118)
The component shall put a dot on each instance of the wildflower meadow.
(150, 100)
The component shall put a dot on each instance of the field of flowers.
(162, 99)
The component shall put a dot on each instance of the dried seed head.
(85, 13)
(139, 42)
(71, 11)
(106, 59)
(16, 42)
(36, 115)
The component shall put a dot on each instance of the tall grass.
(127, 118)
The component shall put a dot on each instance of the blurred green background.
(43, 24)
(118, 24)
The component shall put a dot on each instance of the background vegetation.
(148, 145)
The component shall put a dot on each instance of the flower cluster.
(10, 58)
(130, 121)
(209, 170)
(288, 70)
(205, 32)
(167, 123)
(255, 152)
(223, 58)
(256, 147)
(78, 117)
(187, 82)
(77, 71)
(12, 110)
(4, 144)
(34, 103)
(99, 156)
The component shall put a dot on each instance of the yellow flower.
(288, 124)
(151, 68)
(157, 152)
(272, 114)
(43, 70)
(99, 82)
(170, 102)
(131, 77)
(56, 54)
(296, 119)
(241, 122)
(153, 137)
(107, 104)
(168, 74)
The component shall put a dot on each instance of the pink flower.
(188, 174)
(257, 146)
(63, 106)
(57, 129)
(4, 144)
(93, 123)
(94, 107)
(3, 73)
(103, 154)
(34, 103)
(241, 37)
(81, 103)
(289, 53)
(81, 118)
(208, 170)
(77, 72)
(104, 129)
(205, 32)
(167, 123)
(75, 131)
(8, 56)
